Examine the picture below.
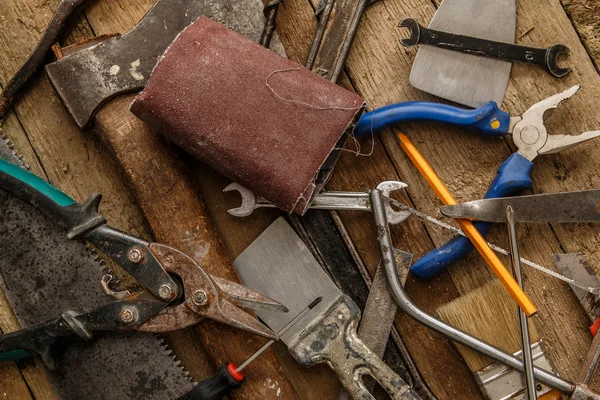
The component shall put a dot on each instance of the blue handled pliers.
(529, 135)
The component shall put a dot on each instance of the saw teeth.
(11, 147)
(176, 362)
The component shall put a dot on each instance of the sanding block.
(258, 118)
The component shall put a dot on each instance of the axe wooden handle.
(177, 216)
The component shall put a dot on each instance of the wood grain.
(378, 69)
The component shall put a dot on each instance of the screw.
(169, 260)
(136, 256)
(128, 315)
(166, 292)
(199, 298)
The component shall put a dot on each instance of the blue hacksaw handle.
(512, 176)
(489, 120)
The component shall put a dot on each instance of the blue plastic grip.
(489, 120)
(37, 183)
(512, 176)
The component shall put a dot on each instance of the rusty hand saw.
(42, 273)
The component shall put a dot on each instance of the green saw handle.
(14, 355)
(76, 218)
(40, 185)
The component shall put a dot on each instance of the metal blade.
(7, 152)
(289, 273)
(380, 310)
(582, 206)
(42, 274)
(558, 143)
(464, 78)
(577, 267)
(247, 298)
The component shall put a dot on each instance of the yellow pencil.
(468, 228)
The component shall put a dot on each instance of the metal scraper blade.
(464, 78)
(577, 267)
(288, 273)
(43, 274)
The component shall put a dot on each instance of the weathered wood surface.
(377, 69)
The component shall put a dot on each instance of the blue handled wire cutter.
(529, 135)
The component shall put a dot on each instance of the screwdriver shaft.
(281, 332)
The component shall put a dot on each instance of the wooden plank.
(585, 16)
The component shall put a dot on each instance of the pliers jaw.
(206, 297)
(530, 134)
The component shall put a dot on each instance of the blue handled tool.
(529, 135)
(487, 119)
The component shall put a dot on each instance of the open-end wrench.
(545, 58)
(358, 201)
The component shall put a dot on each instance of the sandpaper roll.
(258, 118)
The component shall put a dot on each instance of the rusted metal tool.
(87, 78)
(270, 12)
(357, 201)
(279, 262)
(163, 306)
(66, 10)
(337, 25)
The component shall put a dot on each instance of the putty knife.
(280, 264)
(464, 78)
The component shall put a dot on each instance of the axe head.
(87, 78)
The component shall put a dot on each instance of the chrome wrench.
(358, 201)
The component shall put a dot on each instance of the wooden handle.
(178, 217)
(468, 228)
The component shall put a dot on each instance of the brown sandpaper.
(258, 118)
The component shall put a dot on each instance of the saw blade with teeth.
(43, 274)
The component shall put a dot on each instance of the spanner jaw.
(552, 55)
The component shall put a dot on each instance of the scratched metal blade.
(279, 265)
(465, 78)
(577, 267)
(580, 206)
(42, 274)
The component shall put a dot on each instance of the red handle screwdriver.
(229, 376)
